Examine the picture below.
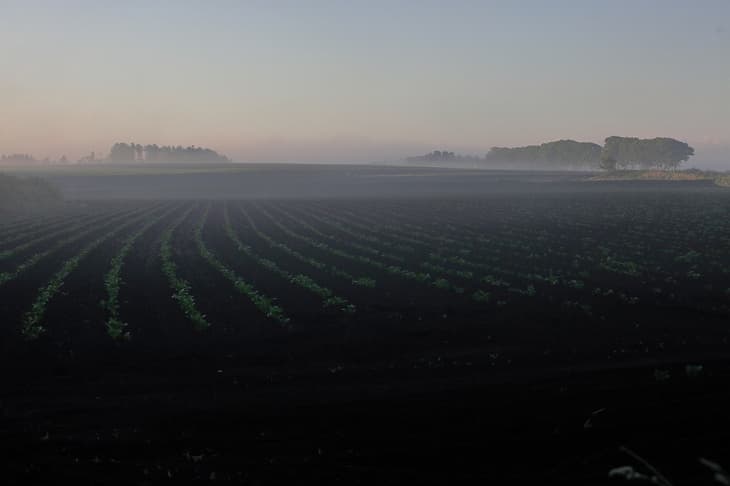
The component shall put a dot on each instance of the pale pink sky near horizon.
(344, 81)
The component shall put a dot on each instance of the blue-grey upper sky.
(360, 80)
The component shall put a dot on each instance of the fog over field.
(365, 243)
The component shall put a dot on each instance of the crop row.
(349, 240)
(528, 245)
(367, 236)
(180, 287)
(329, 299)
(313, 262)
(32, 326)
(628, 233)
(444, 262)
(396, 270)
(79, 234)
(334, 218)
(27, 223)
(47, 236)
(418, 236)
(263, 303)
(444, 268)
(32, 230)
(115, 326)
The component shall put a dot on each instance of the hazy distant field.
(292, 181)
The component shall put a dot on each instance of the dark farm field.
(478, 336)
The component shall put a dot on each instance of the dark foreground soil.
(274, 415)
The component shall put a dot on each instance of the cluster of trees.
(636, 153)
(27, 159)
(442, 156)
(131, 152)
(616, 153)
(562, 153)
(17, 159)
(20, 193)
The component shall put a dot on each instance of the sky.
(361, 80)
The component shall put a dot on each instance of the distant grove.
(616, 153)
(131, 152)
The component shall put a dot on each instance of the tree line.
(616, 153)
(131, 152)
(636, 153)
(17, 159)
(442, 156)
(27, 159)
(552, 154)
